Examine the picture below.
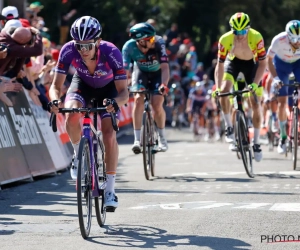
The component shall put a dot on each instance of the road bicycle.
(293, 134)
(241, 129)
(91, 175)
(149, 133)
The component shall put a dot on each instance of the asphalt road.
(200, 199)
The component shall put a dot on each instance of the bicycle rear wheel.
(99, 201)
(295, 134)
(84, 188)
(146, 142)
(243, 143)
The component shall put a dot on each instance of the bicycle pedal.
(110, 209)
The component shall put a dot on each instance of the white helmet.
(293, 31)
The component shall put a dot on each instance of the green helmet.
(141, 31)
(239, 21)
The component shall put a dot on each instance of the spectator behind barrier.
(8, 85)
(9, 12)
(21, 43)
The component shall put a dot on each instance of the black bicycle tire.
(99, 205)
(145, 145)
(85, 231)
(242, 128)
(295, 127)
(155, 142)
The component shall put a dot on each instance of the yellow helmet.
(239, 21)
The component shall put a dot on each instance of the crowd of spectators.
(28, 57)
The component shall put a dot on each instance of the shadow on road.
(197, 179)
(152, 237)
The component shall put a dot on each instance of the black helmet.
(142, 30)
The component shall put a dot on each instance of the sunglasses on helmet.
(240, 32)
(84, 46)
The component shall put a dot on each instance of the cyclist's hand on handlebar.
(276, 83)
(253, 86)
(111, 105)
(163, 89)
(53, 106)
(216, 92)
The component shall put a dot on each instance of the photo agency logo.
(278, 238)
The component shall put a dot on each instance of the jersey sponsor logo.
(118, 77)
(163, 50)
(145, 63)
(260, 44)
(116, 62)
(59, 71)
(100, 73)
(83, 71)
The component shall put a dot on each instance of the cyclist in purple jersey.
(100, 75)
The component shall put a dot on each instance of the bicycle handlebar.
(295, 84)
(236, 93)
(81, 110)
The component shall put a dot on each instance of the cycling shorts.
(84, 93)
(283, 70)
(151, 80)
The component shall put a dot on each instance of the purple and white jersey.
(109, 64)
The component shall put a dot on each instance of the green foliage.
(205, 21)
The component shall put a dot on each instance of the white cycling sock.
(227, 119)
(137, 135)
(76, 149)
(161, 132)
(256, 135)
(110, 183)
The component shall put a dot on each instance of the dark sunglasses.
(240, 32)
(85, 46)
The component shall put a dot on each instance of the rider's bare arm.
(260, 71)
(165, 73)
(128, 74)
(56, 86)
(123, 94)
(271, 66)
(219, 72)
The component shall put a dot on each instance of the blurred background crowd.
(191, 30)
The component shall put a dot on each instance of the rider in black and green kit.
(150, 69)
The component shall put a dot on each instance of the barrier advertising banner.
(13, 165)
(54, 146)
(31, 139)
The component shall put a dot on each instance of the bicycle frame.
(87, 127)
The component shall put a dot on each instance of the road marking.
(253, 205)
(214, 205)
(279, 173)
(291, 207)
(279, 207)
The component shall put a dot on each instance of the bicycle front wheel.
(146, 137)
(243, 143)
(84, 188)
(154, 142)
(99, 201)
(295, 134)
